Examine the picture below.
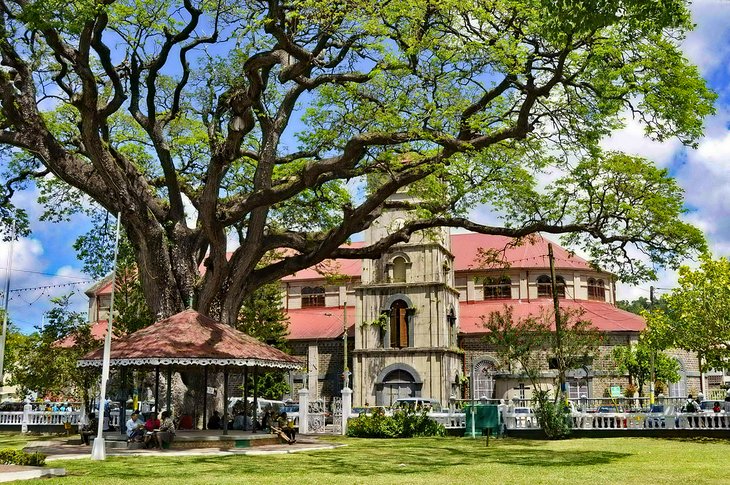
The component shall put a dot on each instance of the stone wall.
(329, 366)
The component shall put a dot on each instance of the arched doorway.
(397, 384)
(397, 381)
(484, 379)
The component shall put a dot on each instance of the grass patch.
(431, 460)
(17, 441)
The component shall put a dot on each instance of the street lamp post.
(98, 451)
(345, 369)
(346, 391)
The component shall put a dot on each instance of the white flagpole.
(8, 269)
(98, 452)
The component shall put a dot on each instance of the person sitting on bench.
(135, 427)
(285, 429)
(89, 429)
(215, 421)
(167, 430)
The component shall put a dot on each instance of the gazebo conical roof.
(190, 338)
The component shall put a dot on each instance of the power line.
(39, 273)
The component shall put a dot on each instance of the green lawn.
(433, 461)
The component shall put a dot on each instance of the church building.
(411, 322)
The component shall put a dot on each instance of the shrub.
(553, 418)
(404, 423)
(630, 390)
(9, 456)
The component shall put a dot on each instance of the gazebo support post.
(255, 413)
(205, 397)
(246, 407)
(225, 400)
(168, 403)
(157, 389)
(123, 401)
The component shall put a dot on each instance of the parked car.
(292, 412)
(656, 417)
(417, 403)
(706, 406)
(524, 410)
(611, 408)
(262, 404)
(367, 410)
(12, 406)
(526, 416)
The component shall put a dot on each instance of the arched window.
(577, 388)
(497, 288)
(312, 296)
(596, 290)
(399, 269)
(679, 388)
(398, 324)
(451, 318)
(484, 379)
(544, 286)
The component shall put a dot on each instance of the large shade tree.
(286, 126)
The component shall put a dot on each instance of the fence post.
(27, 408)
(303, 411)
(346, 408)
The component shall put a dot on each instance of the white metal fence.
(671, 420)
(28, 418)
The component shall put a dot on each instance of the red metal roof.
(604, 316)
(468, 248)
(188, 336)
(346, 267)
(98, 332)
(319, 323)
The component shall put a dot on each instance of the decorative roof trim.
(147, 361)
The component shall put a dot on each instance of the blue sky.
(47, 258)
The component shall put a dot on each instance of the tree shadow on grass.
(367, 459)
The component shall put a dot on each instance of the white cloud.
(708, 46)
(33, 282)
(631, 140)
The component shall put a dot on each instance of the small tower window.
(399, 325)
(596, 289)
(544, 286)
(497, 288)
(399, 269)
(312, 296)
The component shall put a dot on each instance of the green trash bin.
(486, 419)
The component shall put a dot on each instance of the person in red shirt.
(150, 426)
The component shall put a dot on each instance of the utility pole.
(651, 350)
(558, 329)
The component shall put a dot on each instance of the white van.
(262, 404)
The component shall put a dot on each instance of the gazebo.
(190, 339)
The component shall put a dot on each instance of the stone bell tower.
(408, 310)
